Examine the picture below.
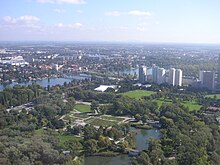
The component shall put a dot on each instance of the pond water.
(134, 71)
(142, 137)
(46, 82)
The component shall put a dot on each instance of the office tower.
(218, 72)
(142, 74)
(171, 77)
(160, 75)
(154, 73)
(207, 79)
(178, 77)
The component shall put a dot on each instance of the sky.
(178, 21)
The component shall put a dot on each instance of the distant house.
(103, 88)
(214, 109)
(155, 124)
(66, 152)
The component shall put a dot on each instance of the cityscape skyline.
(85, 20)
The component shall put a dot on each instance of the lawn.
(192, 105)
(160, 101)
(64, 138)
(83, 108)
(213, 95)
(138, 94)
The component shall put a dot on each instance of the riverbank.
(106, 154)
(143, 126)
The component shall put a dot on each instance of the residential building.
(142, 74)
(178, 77)
(160, 75)
(207, 79)
(175, 77)
(171, 77)
(154, 73)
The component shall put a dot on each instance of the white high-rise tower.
(160, 75)
(178, 77)
(171, 78)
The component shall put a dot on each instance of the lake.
(141, 144)
(46, 82)
(134, 71)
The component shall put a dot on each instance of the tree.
(89, 132)
(166, 122)
(103, 109)
(115, 133)
(143, 159)
(144, 118)
(215, 158)
(58, 123)
(94, 106)
(74, 146)
(74, 162)
(104, 142)
(155, 152)
(90, 146)
(100, 131)
(137, 117)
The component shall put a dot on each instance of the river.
(45, 82)
(141, 144)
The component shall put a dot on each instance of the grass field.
(64, 138)
(192, 105)
(137, 94)
(82, 108)
(213, 95)
(160, 101)
(100, 122)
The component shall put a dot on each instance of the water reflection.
(45, 82)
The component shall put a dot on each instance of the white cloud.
(137, 13)
(71, 26)
(142, 27)
(59, 11)
(79, 11)
(123, 28)
(27, 19)
(114, 13)
(62, 1)
(26, 23)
